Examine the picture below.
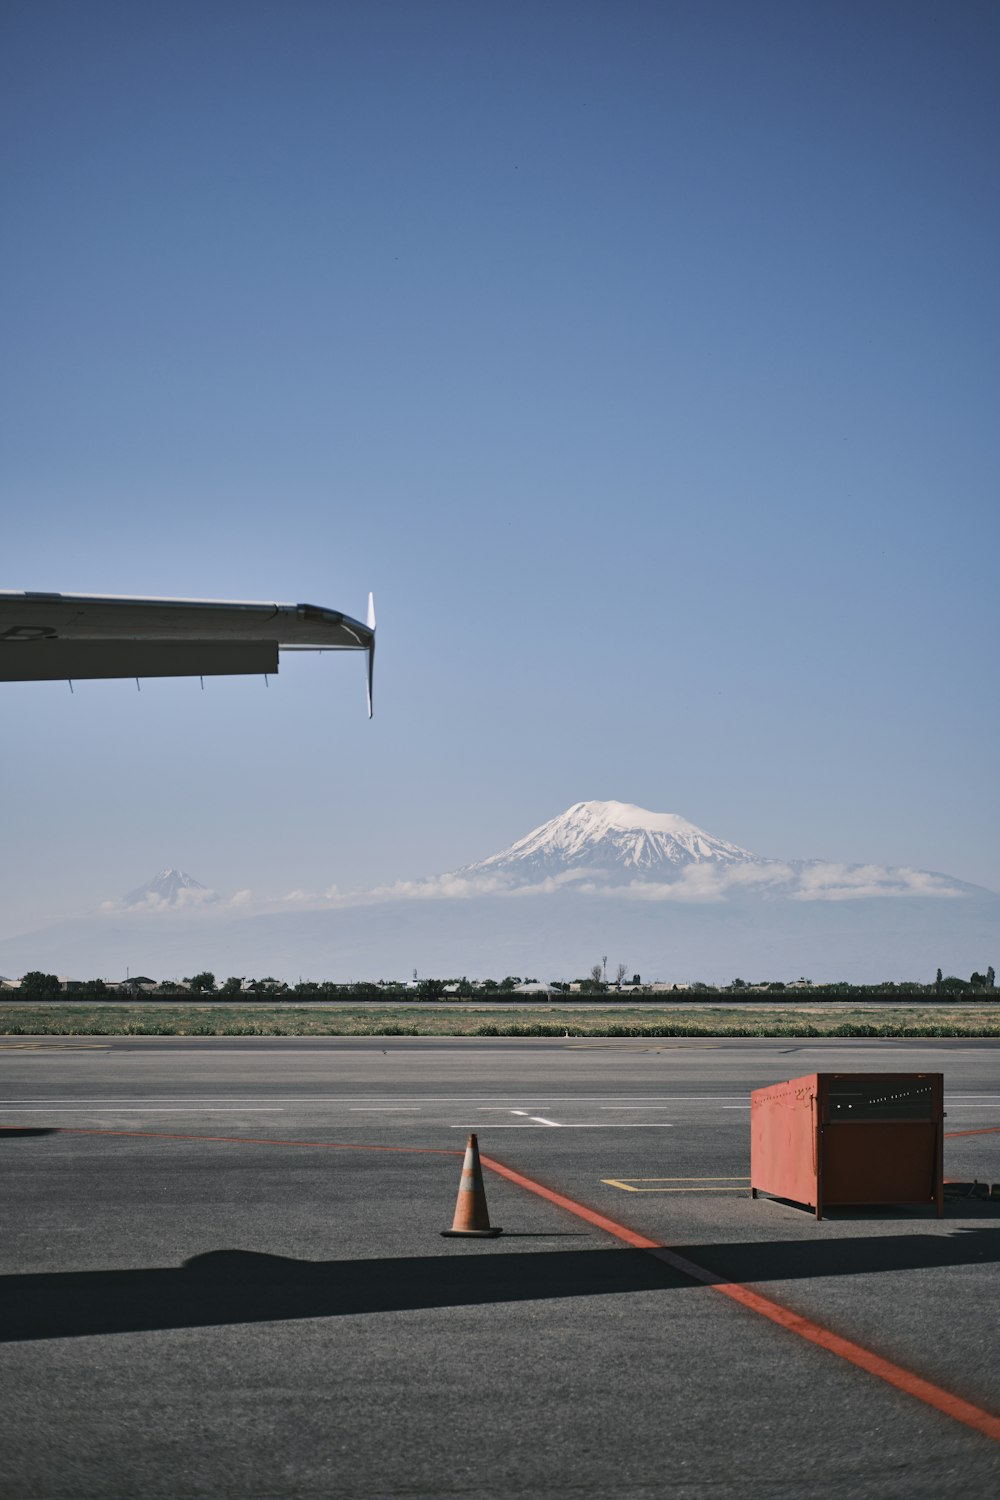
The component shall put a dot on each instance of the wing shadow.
(238, 1286)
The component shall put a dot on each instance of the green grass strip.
(41, 1019)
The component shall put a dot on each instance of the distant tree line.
(36, 985)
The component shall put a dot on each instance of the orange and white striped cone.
(472, 1218)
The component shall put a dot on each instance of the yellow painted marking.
(733, 1184)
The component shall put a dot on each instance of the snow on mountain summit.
(614, 837)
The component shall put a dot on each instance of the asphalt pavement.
(223, 1275)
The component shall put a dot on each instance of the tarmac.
(223, 1275)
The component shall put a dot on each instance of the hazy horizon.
(659, 894)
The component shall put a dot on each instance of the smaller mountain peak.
(165, 889)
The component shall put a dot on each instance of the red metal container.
(847, 1138)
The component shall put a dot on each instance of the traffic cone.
(472, 1218)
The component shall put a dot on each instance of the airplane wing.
(46, 637)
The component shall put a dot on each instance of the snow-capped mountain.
(649, 889)
(167, 889)
(616, 838)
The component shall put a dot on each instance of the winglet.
(371, 650)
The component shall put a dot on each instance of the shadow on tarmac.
(236, 1286)
(19, 1130)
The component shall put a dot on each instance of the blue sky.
(640, 357)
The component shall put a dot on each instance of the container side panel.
(783, 1141)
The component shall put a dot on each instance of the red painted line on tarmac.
(904, 1380)
(249, 1140)
(600, 1221)
(986, 1130)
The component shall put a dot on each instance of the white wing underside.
(47, 637)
